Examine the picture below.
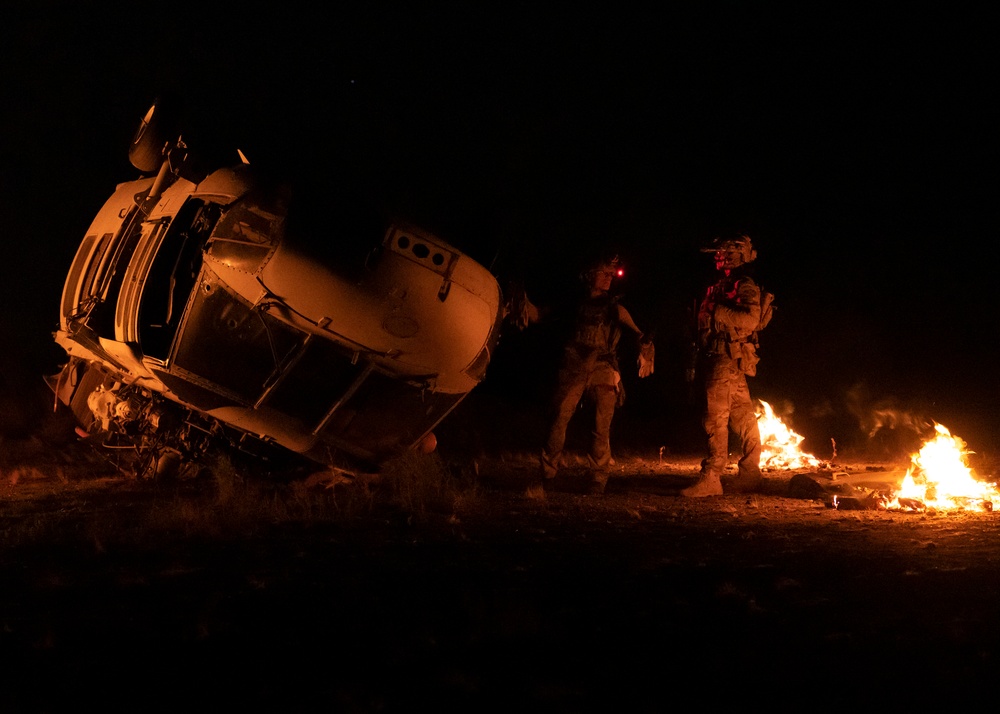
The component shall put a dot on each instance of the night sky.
(857, 149)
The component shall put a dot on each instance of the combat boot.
(598, 482)
(707, 485)
(549, 466)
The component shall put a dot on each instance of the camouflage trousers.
(599, 381)
(728, 407)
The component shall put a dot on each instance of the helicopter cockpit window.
(172, 276)
(228, 342)
(244, 236)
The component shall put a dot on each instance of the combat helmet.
(731, 252)
(609, 263)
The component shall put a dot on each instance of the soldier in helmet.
(728, 318)
(589, 367)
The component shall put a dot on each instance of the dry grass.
(418, 486)
(228, 500)
(422, 484)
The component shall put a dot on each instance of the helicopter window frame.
(231, 344)
(173, 275)
(244, 236)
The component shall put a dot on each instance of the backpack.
(766, 310)
(748, 357)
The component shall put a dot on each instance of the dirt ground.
(153, 597)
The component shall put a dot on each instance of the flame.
(939, 477)
(779, 444)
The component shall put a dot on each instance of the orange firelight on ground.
(939, 477)
(779, 444)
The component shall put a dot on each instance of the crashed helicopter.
(198, 312)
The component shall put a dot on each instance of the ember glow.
(779, 444)
(939, 477)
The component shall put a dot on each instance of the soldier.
(728, 319)
(589, 366)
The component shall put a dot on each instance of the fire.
(779, 444)
(939, 477)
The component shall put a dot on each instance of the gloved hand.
(518, 309)
(647, 354)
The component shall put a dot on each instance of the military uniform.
(589, 365)
(726, 358)
(728, 318)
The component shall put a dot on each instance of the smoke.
(886, 416)
(891, 429)
(822, 409)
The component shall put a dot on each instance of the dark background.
(857, 149)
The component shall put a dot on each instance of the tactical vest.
(721, 341)
(596, 328)
(736, 343)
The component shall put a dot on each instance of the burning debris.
(780, 446)
(939, 478)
